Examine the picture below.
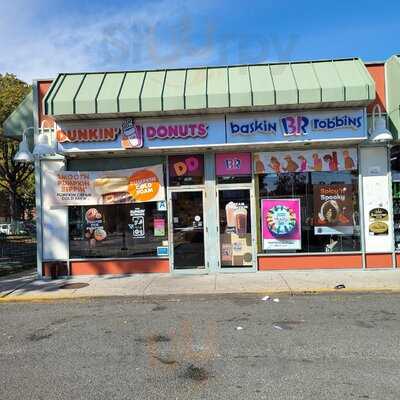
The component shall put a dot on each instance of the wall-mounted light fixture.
(43, 145)
(23, 154)
(379, 131)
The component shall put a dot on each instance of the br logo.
(232, 163)
(294, 125)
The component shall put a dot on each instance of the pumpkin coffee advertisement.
(333, 210)
(135, 185)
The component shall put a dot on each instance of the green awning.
(393, 94)
(21, 118)
(213, 89)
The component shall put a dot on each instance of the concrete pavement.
(27, 288)
(328, 347)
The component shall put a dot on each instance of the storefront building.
(211, 170)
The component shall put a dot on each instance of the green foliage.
(12, 92)
(16, 180)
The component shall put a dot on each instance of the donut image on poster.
(100, 234)
(92, 215)
(281, 220)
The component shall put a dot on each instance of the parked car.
(5, 229)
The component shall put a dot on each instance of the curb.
(171, 296)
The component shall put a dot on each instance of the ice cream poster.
(306, 161)
(281, 224)
(333, 208)
(136, 185)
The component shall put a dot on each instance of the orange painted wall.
(377, 71)
(382, 260)
(99, 267)
(43, 87)
(397, 260)
(310, 262)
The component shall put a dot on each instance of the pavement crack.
(147, 286)
(287, 284)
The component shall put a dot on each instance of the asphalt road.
(304, 347)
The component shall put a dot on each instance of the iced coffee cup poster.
(281, 224)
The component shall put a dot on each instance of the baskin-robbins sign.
(233, 164)
(157, 133)
(296, 126)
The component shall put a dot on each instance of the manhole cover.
(77, 285)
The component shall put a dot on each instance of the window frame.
(265, 253)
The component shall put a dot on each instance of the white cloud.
(39, 45)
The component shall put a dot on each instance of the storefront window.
(121, 230)
(316, 212)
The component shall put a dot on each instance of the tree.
(15, 178)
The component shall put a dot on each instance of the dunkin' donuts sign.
(130, 135)
(134, 134)
(176, 131)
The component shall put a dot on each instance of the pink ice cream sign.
(228, 164)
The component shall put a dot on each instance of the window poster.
(124, 186)
(159, 227)
(94, 231)
(378, 221)
(333, 210)
(281, 224)
(236, 217)
(137, 224)
(306, 161)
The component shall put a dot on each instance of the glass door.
(187, 230)
(236, 239)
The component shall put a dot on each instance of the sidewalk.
(26, 288)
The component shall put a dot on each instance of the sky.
(41, 38)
